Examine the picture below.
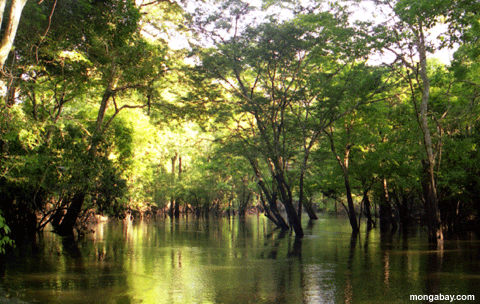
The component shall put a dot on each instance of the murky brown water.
(238, 261)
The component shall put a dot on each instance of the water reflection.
(238, 261)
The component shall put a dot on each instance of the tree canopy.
(227, 107)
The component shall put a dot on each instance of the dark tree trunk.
(176, 211)
(245, 198)
(56, 217)
(307, 204)
(351, 208)
(171, 210)
(266, 209)
(70, 218)
(344, 166)
(287, 201)
(271, 211)
(171, 207)
(402, 206)
(386, 213)
(302, 202)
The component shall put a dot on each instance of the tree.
(410, 39)
(278, 73)
(10, 31)
(61, 71)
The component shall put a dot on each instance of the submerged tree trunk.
(68, 222)
(271, 211)
(344, 166)
(58, 215)
(435, 231)
(351, 208)
(432, 213)
(307, 204)
(302, 202)
(176, 211)
(70, 218)
(401, 202)
(287, 201)
(173, 202)
(386, 213)
(245, 197)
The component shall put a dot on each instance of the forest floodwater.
(233, 260)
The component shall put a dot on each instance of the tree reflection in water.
(238, 261)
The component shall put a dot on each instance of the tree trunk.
(2, 10)
(176, 211)
(344, 166)
(435, 231)
(70, 218)
(368, 213)
(287, 201)
(385, 212)
(302, 202)
(272, 211)
(401, 202)
(11, 30)
(432, 214)
(172, 199)
(351, 208)
(267, 211)
(57, 217)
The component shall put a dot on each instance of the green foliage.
(260, 97)
(55, 141)
(5, 240)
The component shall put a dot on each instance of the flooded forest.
(179, 151)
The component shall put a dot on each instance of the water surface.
(237, 261)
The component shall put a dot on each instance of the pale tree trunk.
(11, 30)
(435, 231)
(2, 11)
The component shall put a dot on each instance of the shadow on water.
(272, 243)
(348, 293)
(71, 250)
(296, 249)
